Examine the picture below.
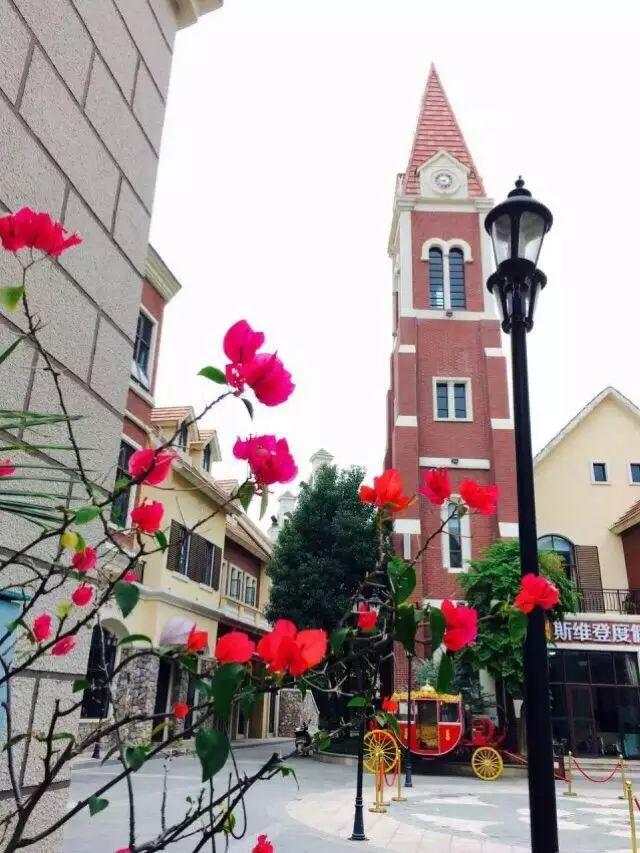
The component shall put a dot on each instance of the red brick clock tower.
(448, 405)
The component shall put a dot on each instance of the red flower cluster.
(147, 517)
(390, 705)
(263, 845)
(264, 372)
(180, 710)
(7, 468)
(28, 229)
(268, 458)
(83, 561)
(483, 499)
(387, 492)
(536, 590)
(436, 486)
(235, 647)
(152, 465)
(63, 646)
(41, 628)
(461, 626)
(82, 595)
(287, 649)
(197, 640)
(366, 618)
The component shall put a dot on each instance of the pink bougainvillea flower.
(269, 459)
(366, 618)
(436, 486)
(84, 560)
(123, 850)
(7, 468)
(390, 705)
(82, 595)
(180, 710)
(263, 845)
(235, 647)
(64, 646)
(151, 465)
(41, 627)
(287, 649)
(129, 577)
(387, 492)
(461, 626)
(484, 499)
(28, 229)
(241, 343)
(147, 517)
(536, 590)
(197, 641)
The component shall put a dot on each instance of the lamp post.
(517, 228)
(408, 767)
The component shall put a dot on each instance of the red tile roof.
(629, 516)
(438, 129)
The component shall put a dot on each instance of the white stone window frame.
(632, 482)
(594, 482)
(465, 537)
(445, 247)
(146, 380)
(451, 382)
(231, 568)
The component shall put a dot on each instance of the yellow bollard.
(399, 798)
(623, 795)
(632, 819)
(569, 792)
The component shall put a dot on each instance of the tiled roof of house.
(227, 486)
(170, 413)
(438, 129)
(627, 519)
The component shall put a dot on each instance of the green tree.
(323, 551)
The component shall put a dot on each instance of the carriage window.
(427, 728)
(403, 711)
(449, 712)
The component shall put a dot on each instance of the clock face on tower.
(443, 181)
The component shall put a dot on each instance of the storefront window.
(576, 667)
(602, 667)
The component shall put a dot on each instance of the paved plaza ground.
(451, 814)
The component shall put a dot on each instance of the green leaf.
(229, 822)
(517, 625)
(323, 743)
(11, 296)
(135, 638)
(159, 728)
(63, 736)
(80, 684)
(161, 539)
(224, 683)
(81, 545)
(337, 639)
(392, 722)
(5, 355)
(264, 501)
(357, 702)
(214, 374)
(245, 493)
(212, 749)
(97, 804)
(438, 627)
(63, 609)
(445, 674)
(402, 577)
(86, 514)
(247, 700)
(135, 757)
(189, 662)
(122, 483)
(127, 595)
(249, 406)
(287, 771)
(406, 627)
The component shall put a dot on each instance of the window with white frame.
(183, 436)
(250, 586)
(634, 472)
(446, 261)
(183, 553)
(206, 458)
(143, 350)
(452, 400)
(599, 473)
(241, 586)
(456, 538)
(120, 505)
(235, 583)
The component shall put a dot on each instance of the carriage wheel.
(380, 751)
(487, 763)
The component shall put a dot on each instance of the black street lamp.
(517, 228)
(358, 833)
(408, 766)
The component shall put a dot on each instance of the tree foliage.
(323, 551)
(496, 578)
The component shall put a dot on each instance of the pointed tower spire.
(438, 129)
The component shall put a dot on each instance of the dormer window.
(206, 458)
(183, 436)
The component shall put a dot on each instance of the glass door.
(581, 720)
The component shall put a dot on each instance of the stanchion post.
(632, 819)
(378, 805)
(399, 798)
(382, 783)
(569, 792)
(623, 773)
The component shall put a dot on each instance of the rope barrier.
(591, 778)
(635, 800)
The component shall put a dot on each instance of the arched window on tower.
(436, 279)
(456, 278)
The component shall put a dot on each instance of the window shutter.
(197, 558)
(217, 563)
(173, 552)
(589, 577)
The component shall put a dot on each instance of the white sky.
(287, 122)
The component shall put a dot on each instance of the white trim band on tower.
(407, 525)
(454, 462)
(406, 421)
(501, 423)
(508, 529)
(407, 348)
(494, 352)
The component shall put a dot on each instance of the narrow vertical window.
(141, 368)
(455, 538)
(456, 279)
(442, 399)
(120, 505)
(460, 399)
(436, 279)
(206, 458)
(185, 547)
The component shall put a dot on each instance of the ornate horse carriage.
(438, 727)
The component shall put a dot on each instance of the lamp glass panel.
(501, 238)
(530, 235)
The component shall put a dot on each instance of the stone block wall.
(294, 710)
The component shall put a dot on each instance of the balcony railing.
(625, 601)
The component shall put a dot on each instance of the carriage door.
(448, 725)
(427, 728)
